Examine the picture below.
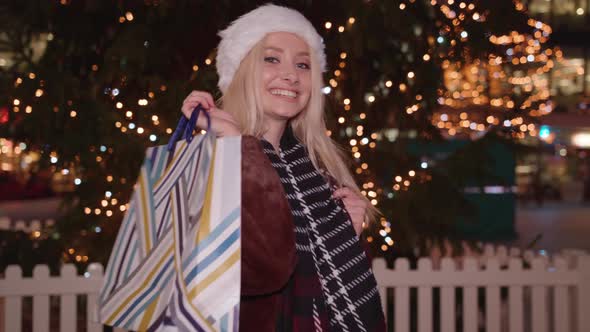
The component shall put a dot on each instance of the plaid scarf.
(333, 287)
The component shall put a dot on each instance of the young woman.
(303, 268)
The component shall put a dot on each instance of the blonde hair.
(242, 100)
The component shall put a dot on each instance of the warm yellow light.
(388, 84)
(581, 140)
(328, 25)
(119, 105)
(351, 20)
(208, 61)
(38, 93)
(129, 16)
(346, 101)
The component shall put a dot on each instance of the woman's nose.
(290, 74)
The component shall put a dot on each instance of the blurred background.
(466, 122)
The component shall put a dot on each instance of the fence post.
(92, 319)
(41, 302)
(13, 317)
(584, 293)
(67, 307)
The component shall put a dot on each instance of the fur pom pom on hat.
(243, 33)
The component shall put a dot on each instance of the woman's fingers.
(194, 99)
(343, 192)
(189, 106)
(222, 123)
(208, 101)
(354, 203)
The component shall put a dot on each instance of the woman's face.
(286, 76)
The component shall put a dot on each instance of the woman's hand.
(355, 205)
(222, 123)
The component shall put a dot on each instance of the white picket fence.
(552, 295)
(493, 291)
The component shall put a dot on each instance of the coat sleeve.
(268, 237)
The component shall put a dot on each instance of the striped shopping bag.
(175, 264)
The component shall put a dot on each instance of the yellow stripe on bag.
(171, 164)
(231, 260)
(205, 224)
(145, 212)
(147, 281)
(178, 263)
(147, 316)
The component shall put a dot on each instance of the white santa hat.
(243, 33)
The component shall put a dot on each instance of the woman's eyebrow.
(280, 50)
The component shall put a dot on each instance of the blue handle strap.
(185, 128)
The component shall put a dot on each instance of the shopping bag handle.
(185, 127)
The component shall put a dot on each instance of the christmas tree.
(88, 85)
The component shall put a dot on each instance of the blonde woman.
(303, 268)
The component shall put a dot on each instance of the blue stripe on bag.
(212, 236)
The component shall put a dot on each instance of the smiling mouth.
(284, 93)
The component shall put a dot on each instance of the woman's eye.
(303, 65)
(271, 59)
